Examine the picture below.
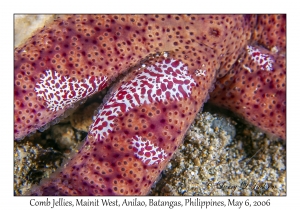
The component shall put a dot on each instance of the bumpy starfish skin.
(255, 93)
(104, 46)
(255, 88)
(136, 131)
(270, 32)
(147, 130)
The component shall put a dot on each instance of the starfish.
(171, 63)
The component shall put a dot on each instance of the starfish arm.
(255, 88)
(79, 48)
(144, 134)
(255, 93)
(270, 32)
(137, 130)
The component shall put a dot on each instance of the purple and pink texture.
(175, 62)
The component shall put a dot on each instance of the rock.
(83, 117)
